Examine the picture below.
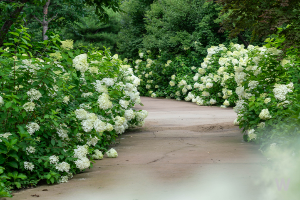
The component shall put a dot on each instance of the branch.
(45, 8)
(245, 42)
(37, 19)
(52, 18)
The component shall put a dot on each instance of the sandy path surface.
(184, 151)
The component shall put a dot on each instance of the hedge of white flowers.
(60, 112)
(254, 81)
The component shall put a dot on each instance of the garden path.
(184, 151)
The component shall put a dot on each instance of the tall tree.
(13, 16)
(263, 17)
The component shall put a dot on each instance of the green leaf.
(17, 184)
(22, 176)
(8, 104)
(14, 155)
(8, 44)
(52, 180)
(53, 142)
(16, 34)
(13, 164)
(2, 159)
(70, 54)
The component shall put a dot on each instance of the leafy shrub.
(262, 88)
(130, 36)
(61, 109)
(177, 26)
(91, 32)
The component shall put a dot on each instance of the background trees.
(263, 17)
(66, 11)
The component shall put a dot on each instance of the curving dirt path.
(184, 151)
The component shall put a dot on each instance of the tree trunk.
(45, 22)
(245, 42)
(7, 24)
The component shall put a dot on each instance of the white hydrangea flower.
(261, 125)
(82, 163)
(34, 94)
(28, 166)
(30, 149)
(1, 101)
(108, 81)
(5, 135)
(205, 94)
(81, 114)
(29, 106)
(209, 85)
(62, 133)
(66, 99)
(181, 83)
(104, 102)
(63, 179)
(172, 83)
(129, 115)
(63, 167)
(99, 125)
(80, 63)
(267, 100)
(212, 101)
(280, 91)
(265, 114)
(94, 70)
(92, 141)
(284, 62)
(251, 134)
(235, 122)
(173, 77)
(32, 127)
(239, 106)
(87, 125)
(86, 94)
(141, 116)
(253, 84)
(124, 103)
(81, 151)
(100, 87)
(54, 159)
(112, 153)
(196, 77)
(67, 44)
(109, 127)
(97, 155)
(226, 103)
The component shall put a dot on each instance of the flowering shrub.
(60, 109)
(258, 82)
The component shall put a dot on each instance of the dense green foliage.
(177, 26)
(263, 17)
(12, 13)
(132, 27)
(91, 32)
(62, 106)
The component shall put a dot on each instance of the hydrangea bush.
(258, 82)
(61, 108)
